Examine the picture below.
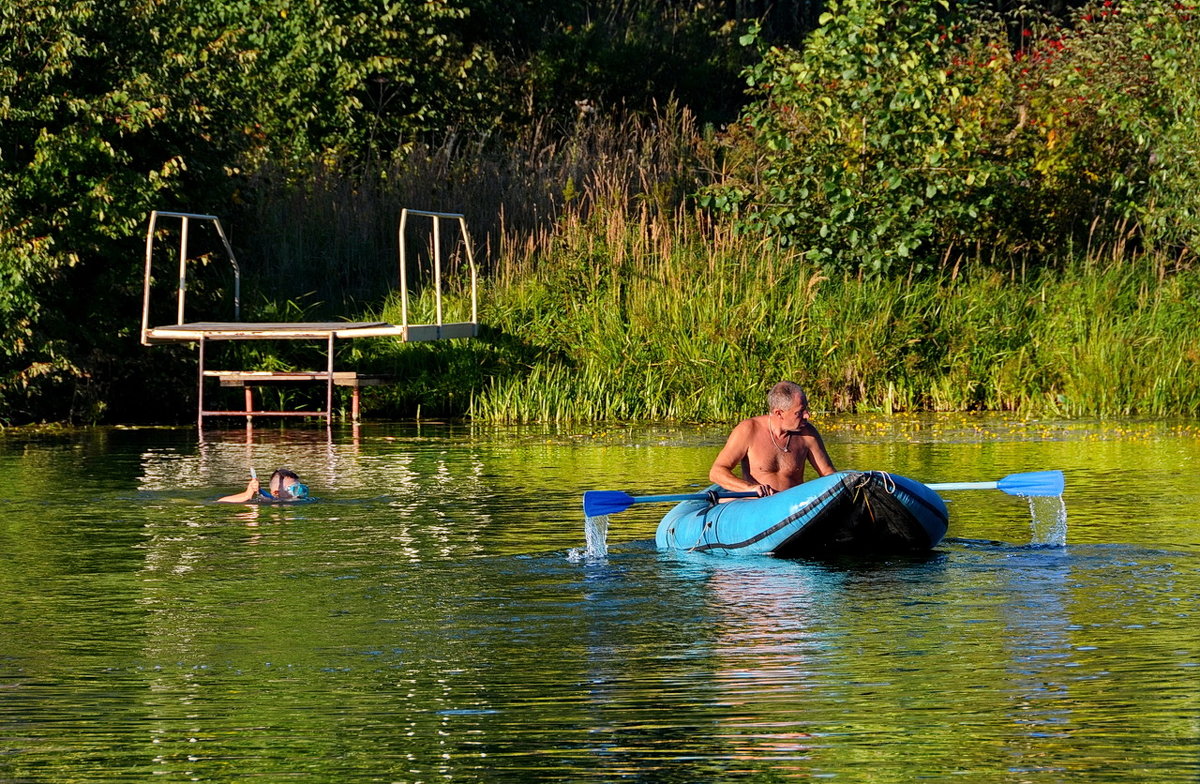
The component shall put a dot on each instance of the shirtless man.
(773, 448)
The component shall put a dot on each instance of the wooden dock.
(204, 332)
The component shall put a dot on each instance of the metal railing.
(437, 218)
(185, 218)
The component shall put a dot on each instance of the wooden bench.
(248, 379)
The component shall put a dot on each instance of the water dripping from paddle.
(595, 534)
(1048, 520)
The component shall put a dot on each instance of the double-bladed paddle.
(1035, 483)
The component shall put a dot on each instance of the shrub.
(907, 136)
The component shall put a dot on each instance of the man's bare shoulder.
(748, 427)
(809, 437)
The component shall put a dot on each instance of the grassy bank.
(649, 321)
(607, 295)
(1002, 204)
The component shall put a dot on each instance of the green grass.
(697, 331)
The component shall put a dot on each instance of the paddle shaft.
(602, 502)
(658, 499)
(964, 486)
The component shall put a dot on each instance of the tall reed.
(332, 236)
(696, 329)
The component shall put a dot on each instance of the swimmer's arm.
(247, 495)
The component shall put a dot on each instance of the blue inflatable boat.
(847, 513)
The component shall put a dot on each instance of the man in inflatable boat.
(284, 486)
(773, 448)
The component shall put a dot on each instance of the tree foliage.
(1159, 104)
(867, 145)
(909, 136)
(897, 136)
(111, 109)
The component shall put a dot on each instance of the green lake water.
(429, 618)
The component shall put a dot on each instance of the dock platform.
(204, 332)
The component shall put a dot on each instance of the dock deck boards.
(312, 330)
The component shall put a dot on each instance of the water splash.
(1048, 520)
(595, 533)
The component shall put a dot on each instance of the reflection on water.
(421, 621)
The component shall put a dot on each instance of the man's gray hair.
(783, 394)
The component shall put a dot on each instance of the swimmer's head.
(286, 484)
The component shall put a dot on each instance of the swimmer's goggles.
(298, 490)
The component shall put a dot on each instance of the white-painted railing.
(437, 218)
(185, 219)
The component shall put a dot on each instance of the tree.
(110, 109)
(869, 147)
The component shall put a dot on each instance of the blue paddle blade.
(1034, 483)
(605, 502)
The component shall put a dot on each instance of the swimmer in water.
(284, 486)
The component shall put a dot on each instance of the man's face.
(794, 416)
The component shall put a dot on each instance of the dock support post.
(200, 388)
(329, 385)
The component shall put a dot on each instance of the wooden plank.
(277, 375)
(323, 327)
(416, 332)
(341, 378)
(464, 329)
(364, 381)
(309, 331)
(318, 414)
(426, 332)
(253, 331)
